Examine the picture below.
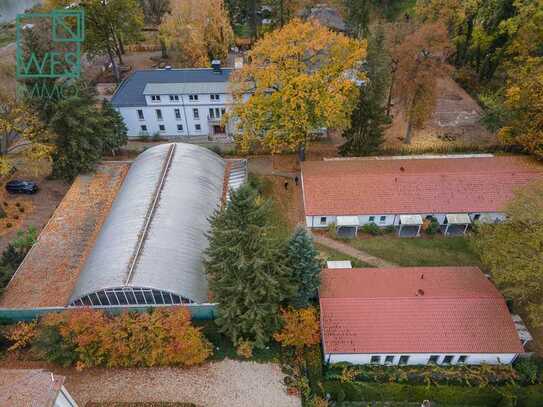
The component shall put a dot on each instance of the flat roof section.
(49, 272)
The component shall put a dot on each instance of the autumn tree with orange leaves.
(300, 327)
(420, 61)
(300, 78)
(196, 32)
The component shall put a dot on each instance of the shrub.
(21, 335)
(529, 370)
(300, 327)
(16, 251)
(372, 229)
(431, 226)
(51, 346)
(245, 349)
(8, 225)
(332, 230)
(156, 136)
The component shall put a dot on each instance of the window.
(389, 360)
(162, 127)
(448, 359)
(140, 114)
(211, 113)
(375, 359)
(179, 127)
(143, 127)
(323, 220)
(476, 217)
(198, 127)
(177, 114)
(174, 98)
(193, 97)
(196, 113)
(155, 98)
(215, 97)
(372, 219)
(158, 114)
(462, 358)
(217, 112)
(223, 111)
(403, 360)
(382, 219)
(433, 359)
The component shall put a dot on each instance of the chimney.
(422, 276)
(420, 292)
(402, 169)
(216, 65)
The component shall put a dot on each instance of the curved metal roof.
(154, 235)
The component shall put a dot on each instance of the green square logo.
(64, 58)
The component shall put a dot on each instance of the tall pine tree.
(246, 270)
(302, 259)
(369, 117)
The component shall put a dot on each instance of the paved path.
(351, 251)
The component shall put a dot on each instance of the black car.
(21, 187)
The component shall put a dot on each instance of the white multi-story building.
(176, 103)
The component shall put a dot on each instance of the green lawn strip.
(436, 251)
(330, 254)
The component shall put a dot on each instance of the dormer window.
(174, 98)
(193, 97)
(155, 98)
(215, 97)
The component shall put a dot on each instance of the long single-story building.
(415, 316)
(403, 191)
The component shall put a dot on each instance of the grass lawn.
(331, 254)
(435, 251)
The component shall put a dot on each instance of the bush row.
(89, 338)
(530, 396)
(526, 371)
(14, 254)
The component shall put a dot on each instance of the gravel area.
(51, 268)
(225, 383)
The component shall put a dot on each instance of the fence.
(199, 312)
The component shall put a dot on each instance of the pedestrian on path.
(286, 185)
(296, 180)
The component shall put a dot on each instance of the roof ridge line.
(425, 296)
(150, 213)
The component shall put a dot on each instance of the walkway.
(351, 251)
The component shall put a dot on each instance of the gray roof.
(185, 88)
(131, 90)
(154, 235)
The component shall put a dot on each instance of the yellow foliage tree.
(524, 101)
(300, 78)
(18, 119)
(196, 31)
(300, 327)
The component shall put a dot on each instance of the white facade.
(179, 116)
(384, 220)
(421, 358)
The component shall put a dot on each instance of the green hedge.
(445, 395)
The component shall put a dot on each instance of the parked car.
(21, 187)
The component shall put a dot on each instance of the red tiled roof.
(403, 186)
(382, 311)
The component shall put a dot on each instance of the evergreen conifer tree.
(246, 271)
(368, 118)
(302, 259)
